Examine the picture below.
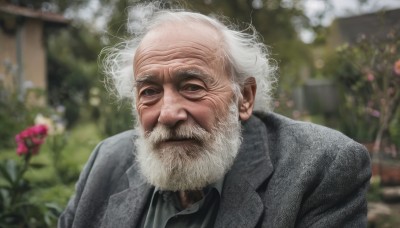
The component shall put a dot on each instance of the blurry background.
(339, 66)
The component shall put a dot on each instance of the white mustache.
(161, 133)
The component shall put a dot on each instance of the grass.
(47, 184)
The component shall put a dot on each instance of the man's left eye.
(192, 88)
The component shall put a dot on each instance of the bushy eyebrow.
(149, 78)
(183, 74)
(193, 73)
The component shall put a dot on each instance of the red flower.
(22, 149)
(370, 77)
(30, 139)
(396, 67)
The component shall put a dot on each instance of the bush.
(14, 116)
(369, 74)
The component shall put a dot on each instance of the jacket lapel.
(241, 205)
(125, 208)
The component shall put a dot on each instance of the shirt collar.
(216, 185)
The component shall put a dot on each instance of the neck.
(187, 198)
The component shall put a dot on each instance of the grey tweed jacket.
(287, 174)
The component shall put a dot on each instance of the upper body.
(194, 83)
(287, 174)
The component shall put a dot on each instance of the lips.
(177, 141)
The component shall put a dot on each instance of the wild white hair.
(246, 54)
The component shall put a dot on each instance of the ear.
(246, 104)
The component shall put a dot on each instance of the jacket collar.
(125, 208)
(241, 205)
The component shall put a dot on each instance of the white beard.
(192, 166)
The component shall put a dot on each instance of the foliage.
(56, 141)
(32, 189)
(371, 87)
(74, 80)
(14, 115)
(375, 190)
(72, 70)
(115, 119)
(11, 117)
(51, 5)
(17, 209)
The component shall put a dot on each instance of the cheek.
(207, 112)
(203, 115)
(148, 116)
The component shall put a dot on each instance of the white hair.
(246, 54)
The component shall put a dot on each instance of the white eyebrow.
(149, 78)
(195, 74)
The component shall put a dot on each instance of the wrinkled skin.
(181, 77)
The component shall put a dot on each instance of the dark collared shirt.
(165, 209)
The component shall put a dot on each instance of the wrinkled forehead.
(175, 35)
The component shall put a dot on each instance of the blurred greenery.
(375, 190)
(370, 89)
(46, 186)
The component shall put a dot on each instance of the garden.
(43, 148)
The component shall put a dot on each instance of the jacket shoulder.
(122, 140)
(302, 140)
(324, 173)
(116, 153)
(103, 175)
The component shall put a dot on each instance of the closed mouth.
(177, 141)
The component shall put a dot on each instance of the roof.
(31, 13)
(377, 25)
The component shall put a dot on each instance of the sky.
(342, 8)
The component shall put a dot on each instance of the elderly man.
(199, 156)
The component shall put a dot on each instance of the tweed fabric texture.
(287, 174)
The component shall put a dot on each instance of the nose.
(172, 111)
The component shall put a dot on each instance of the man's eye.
(192, 88)
(149, 92)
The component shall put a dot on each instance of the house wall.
(33, 59)
(8, 65)
(34, 62)
(34, 54)
(334, 38)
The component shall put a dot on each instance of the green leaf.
(37, 165)
(10, 171)
(54, 209)
(5, 199)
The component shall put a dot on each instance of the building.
(319, 95)
(23, 49)
(372, 25)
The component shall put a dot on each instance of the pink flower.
(22, 149)
(370, 77)
(396, 67)
(375, 113)
(40, 129)
(30, 139)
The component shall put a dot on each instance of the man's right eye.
(148, 92)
